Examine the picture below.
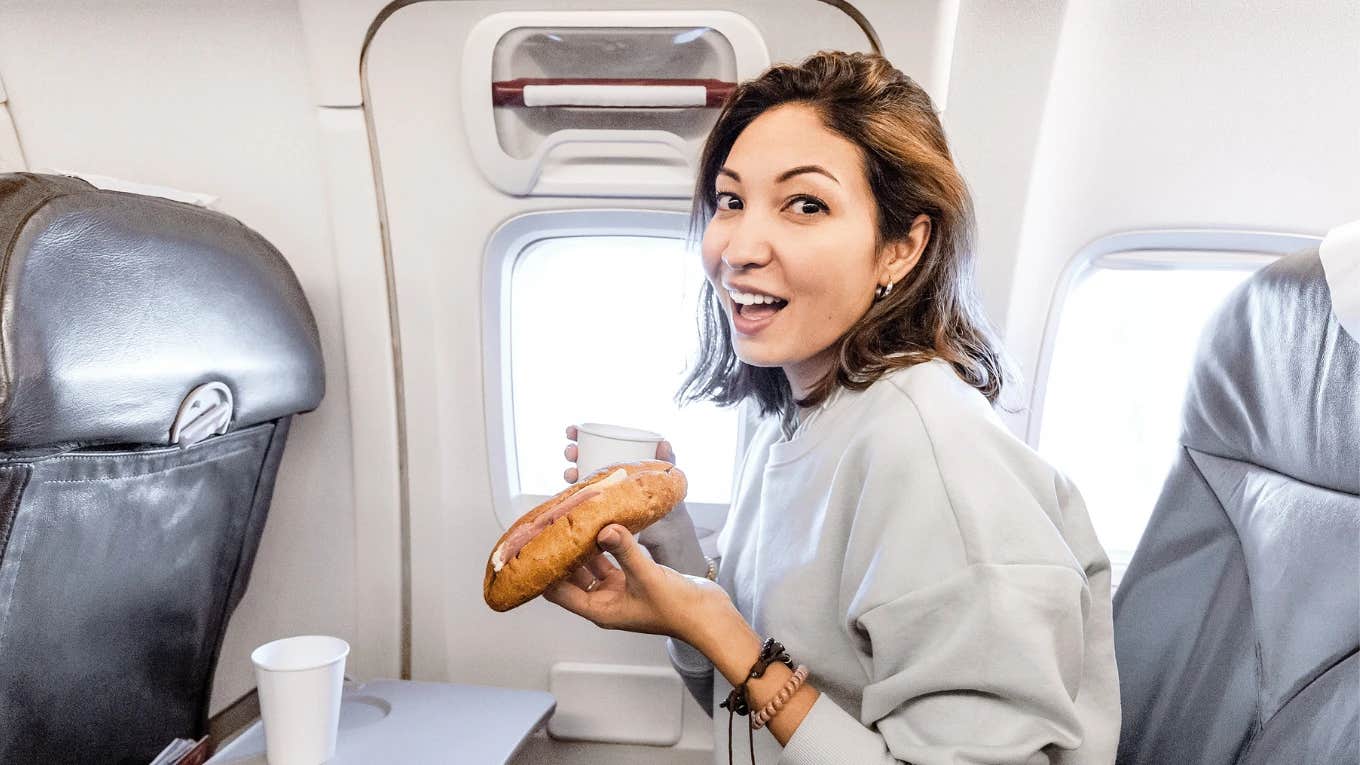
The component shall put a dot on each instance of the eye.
(726, 200)
(808, 205)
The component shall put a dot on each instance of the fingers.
(583, 577)
(573, 593)
(571, 474)
(600, 567)
(567, 595)
(665, 453)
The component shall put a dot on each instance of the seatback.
(130, 512)
(1238, 620)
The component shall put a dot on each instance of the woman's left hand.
(638, 595)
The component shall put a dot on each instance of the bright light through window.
(1121, 361)
(603, 329)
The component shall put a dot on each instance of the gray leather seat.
(122, 554)
(1238, 621)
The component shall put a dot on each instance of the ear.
(901, 256)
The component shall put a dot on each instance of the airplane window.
(603, 329)
(1121, 359)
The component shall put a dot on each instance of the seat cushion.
(1242, 593)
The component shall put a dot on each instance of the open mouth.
(755, 306)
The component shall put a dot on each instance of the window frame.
(504, 248)
(1152, 249)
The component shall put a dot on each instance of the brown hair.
(934, 312)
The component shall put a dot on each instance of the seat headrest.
(114, 306)
(1276, 378)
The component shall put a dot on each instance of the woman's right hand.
(672, 541)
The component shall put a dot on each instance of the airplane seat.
(1238, 621)
(152, 355)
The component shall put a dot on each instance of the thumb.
(619, 542)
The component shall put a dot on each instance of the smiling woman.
(942, 582)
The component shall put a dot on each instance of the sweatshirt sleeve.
(981, 668)
(695, 669)
(967, 609)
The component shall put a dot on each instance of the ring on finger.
(592, 585)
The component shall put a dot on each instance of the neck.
(804, 375)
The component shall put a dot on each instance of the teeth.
(750, 298)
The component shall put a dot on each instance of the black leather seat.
(1238, 621)
(129, 513)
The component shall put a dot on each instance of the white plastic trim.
(615, 95)
(381, 563)
(334, 37)
(109, 183)
(616, 703)
(504, 247)
(11, 152)
(1340, 254)
(946, 31)
(1160, 249)
(525, 176)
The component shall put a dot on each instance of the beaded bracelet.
(759, 719)
(712, 573)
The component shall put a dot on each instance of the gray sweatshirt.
(941, 581)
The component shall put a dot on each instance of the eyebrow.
(787, 174)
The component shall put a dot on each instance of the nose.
(748, 246)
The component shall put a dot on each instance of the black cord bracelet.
(738, 701)
(771, 651)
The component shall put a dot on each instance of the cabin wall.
(1002, 63)
(1167, 115)
(213, 98)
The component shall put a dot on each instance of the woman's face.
(795, 223)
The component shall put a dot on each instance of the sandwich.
(551, 541)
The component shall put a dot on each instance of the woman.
(941, 583)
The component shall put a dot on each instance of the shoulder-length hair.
(934, 312)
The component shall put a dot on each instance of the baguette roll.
(558, 536)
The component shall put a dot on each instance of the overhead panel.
(600, 103)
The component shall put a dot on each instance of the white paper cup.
(598, 445)
(300, 680)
